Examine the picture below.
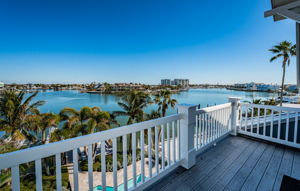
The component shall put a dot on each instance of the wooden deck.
(236, 163)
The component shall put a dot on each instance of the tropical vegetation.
(25, 126)
(284, 50)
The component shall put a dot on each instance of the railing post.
(234, 114)
(187, 132)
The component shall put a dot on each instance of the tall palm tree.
(284, 50)
(133, 103)
(164, 100)
(14, 111)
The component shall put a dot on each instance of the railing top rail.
(11, 159)
(213, 108)
(272, 107)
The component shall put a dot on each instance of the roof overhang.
(282, 9)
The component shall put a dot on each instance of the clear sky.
(59, 41)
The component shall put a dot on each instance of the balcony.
(233, 146)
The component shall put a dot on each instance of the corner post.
(234, 114)
(187, 132)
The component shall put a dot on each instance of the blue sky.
(53, 41)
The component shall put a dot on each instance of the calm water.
(57, 100)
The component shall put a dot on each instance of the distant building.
(292, 88)
(257, 87)
(182, 82)
(166, 82)
(175, 82)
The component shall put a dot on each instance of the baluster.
(174, 146)
(15, 176)
(265, 122)
(125, 162)
(58, 172)
(287, 126)
(241, 117)
(252, 115)
(272, 123)
(75, 169)
(115, 164)
(279, 125)
(246, 118)
(213, 126)
(142, 156)
(296, 127)
(258, 116)
(156, 148)
(168, 144)
(210, 127)
(200, 130)
(223, 113)
(38, 174)
(134, 158)
(90, 166)
(178, 137)
(206, 128)
(196, 140)
(103, 165)
(163, 146)
(149, 153)
(218, 123)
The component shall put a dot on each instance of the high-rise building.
(166, 82)
(175, 82)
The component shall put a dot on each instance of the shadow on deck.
(236, 163)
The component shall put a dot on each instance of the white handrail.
(8, 160)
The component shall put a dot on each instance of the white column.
(234, 114)
(187, 132)
(298, 54)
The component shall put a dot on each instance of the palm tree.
(284, 50)
(40, 123)
(133, 104)
(164, 100)
(14, 111)
(85, 121)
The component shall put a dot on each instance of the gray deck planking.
(268, 180)
(227, 175)
(296, 166)
(258, 171)
(221, 169)
(236, 163)
(239, 178)
(285, 167)
(207, 162)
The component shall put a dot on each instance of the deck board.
(285, 167)
(207, 161)
(269, 177)
(223, 167)
(236, 163)
(296, 166)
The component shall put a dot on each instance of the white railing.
(272, 123)
(212, 123)
(146, 129)
(162, 144)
